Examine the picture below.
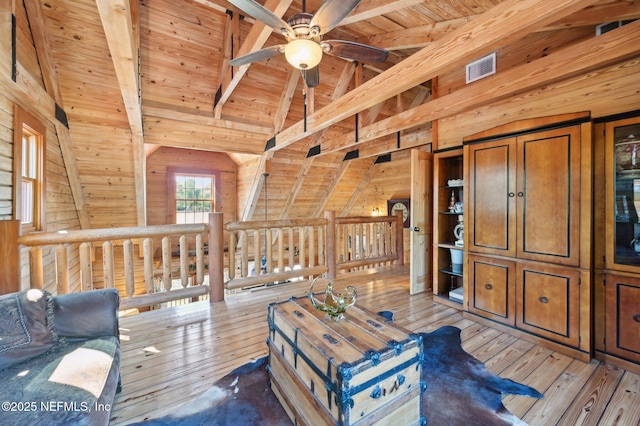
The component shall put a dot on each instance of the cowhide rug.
(460, 391)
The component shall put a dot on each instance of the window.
(193, 196)
(29, 171)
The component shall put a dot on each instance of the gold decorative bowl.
(334, 305)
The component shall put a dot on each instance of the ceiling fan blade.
(265, 53)
(355, 51)
(263, 14)
(311, 76)
(331, 13)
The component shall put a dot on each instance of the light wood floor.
(172, 355)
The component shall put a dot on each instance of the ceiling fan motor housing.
(300, 25)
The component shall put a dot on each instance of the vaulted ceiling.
(133, 75)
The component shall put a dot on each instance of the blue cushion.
(25, 326)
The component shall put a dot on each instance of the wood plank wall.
(608, 91)
(216, 162)
(6, 159)
(61, 211)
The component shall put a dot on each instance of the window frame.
(171, 186)
(26, 124)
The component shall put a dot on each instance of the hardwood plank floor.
(172, 355)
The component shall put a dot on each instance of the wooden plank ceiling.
(182, 92)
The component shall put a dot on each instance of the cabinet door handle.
(520, 194)
(636, 317)
(488, 286)
(511, 195)
(543, 299)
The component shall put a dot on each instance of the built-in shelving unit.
(448, 253)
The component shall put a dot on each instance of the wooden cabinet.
(548, 301)
(623, 316)
(524, 196)
(448, 228)
(536, 297)
(492, 289)
(528, 229)
(622, 168)
(617, 249)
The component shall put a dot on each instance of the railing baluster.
(86, 271)
(280, 238)
(35, 267)
(269, 251)
(184, 261)
(302, 248)
(62, 269)
(312, 246)
(232, 255)
(129, 278)
(108, 267)
(147, 247)
(256, 252)
(292, 248)
(244, 241)
(166, 263)
(370, 242)
(199, 260)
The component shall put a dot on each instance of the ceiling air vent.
(609, 26)
(481, 68)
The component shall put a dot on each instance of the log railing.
(207, 259)
(368, 241)
(158, 282)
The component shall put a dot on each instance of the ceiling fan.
(304, 32)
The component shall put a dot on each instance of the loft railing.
(127, 253)
(158, 264)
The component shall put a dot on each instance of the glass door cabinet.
(618, 301)
(623, 147)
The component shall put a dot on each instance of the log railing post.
(330, 241)
(216, 257)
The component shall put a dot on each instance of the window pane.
(194, 198)
(33, 157)
(27, 201)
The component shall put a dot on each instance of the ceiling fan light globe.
(303, 54)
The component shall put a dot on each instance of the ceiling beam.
(468, 42)
(285, 100)
(368, 9)
(49, 76)
(152, 110)
(118, 20)
(181, 134)
(256, 38)
(582, 58)
(415, 37)
(418, 37)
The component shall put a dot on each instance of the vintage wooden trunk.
(355, 371)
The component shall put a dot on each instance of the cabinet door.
(622, 164)
(492, 288)
(548, 196)
(492, 206)
(548, 301)
(623, 317)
